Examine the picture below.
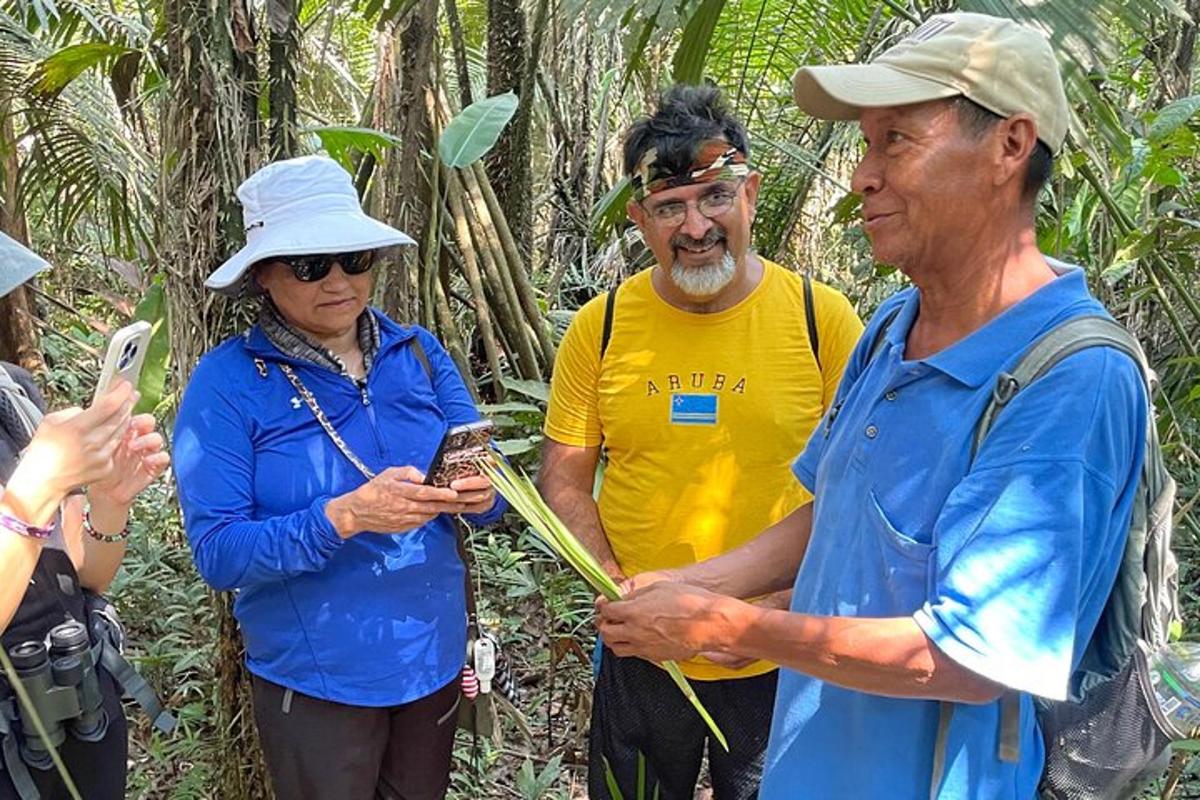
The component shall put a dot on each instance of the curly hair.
(686, 116)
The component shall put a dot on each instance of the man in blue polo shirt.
(923, 572)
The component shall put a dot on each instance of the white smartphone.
(126, 352)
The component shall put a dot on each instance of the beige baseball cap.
(1003, 66)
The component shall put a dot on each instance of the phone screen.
(461, 447)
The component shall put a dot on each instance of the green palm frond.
(83, 160)
(523, 496)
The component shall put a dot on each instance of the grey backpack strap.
(945, 714)
(10, 753)
(1062, 341)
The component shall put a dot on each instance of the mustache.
(715, 234)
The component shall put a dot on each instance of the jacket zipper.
(365, 394)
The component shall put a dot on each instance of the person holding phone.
(349, 588)
(61, 546)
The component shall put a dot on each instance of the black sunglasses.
(313, 268)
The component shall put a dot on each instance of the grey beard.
(706, 280)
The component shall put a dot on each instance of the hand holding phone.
(125, 356)
(460, 448)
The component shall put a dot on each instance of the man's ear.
(750, 187)
(635, 212)
(1016, 138)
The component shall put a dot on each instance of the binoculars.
(63, 689)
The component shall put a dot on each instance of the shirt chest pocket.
(899, 565)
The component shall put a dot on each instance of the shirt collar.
(978, 358)
(273, 333)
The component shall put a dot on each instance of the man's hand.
(664, 621)
(394, 501)
(644, 579)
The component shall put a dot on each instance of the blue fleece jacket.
(374, 620)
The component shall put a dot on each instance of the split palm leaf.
(524, 498)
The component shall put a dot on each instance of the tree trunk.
(508, 164)
(18, 336)
(403, 85)
(209, 146)
(284, 50)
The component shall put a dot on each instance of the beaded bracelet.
(22, 528)
(107, 538)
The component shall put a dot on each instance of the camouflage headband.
(716, 159)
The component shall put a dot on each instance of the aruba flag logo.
(693, 409)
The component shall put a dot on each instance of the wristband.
(107, 538)
(22, 528)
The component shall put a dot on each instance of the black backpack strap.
(610, 307)
(421, 356)
(810, 317)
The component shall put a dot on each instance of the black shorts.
(639, 713)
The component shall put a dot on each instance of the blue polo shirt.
(1005, 562)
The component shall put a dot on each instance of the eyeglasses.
(672, 214)
(308, 269)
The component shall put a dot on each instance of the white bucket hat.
(17, 264)
(301, 206)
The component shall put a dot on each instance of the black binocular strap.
(133, 684)
(11, 761)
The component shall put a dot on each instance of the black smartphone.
(459, 449)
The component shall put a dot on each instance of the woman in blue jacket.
(349, 591)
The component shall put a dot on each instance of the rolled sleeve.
(573, 413)
(1008, 592)
(805, 465)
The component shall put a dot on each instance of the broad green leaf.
(342, 142)
(515, 447)
(609, 210)
(534, 389)
(53, 73)
(509, 408)
(474, 132)
(1172, 116)
(845, 211)
(153, 381)
(688, 66)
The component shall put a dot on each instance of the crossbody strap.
(315, 408)
(310, 400)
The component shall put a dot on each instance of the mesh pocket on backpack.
(1109, 746)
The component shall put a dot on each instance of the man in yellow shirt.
(701, 377)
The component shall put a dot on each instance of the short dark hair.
(977, 120)
(686, 116)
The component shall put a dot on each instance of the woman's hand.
(475, 494)
(70, 448)
(137, 462)
(394, 501)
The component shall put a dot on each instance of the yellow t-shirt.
(701, 415)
